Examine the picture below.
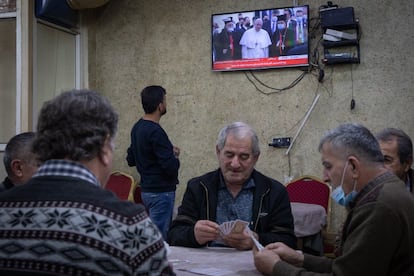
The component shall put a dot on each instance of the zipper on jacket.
(260, 209)
(207, 202)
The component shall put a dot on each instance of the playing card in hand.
(239, 226)
(233, 226)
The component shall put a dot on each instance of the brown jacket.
(377, 238)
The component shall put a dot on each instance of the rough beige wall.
(138, 43)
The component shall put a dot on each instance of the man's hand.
(265, 260)
(240, 241)
(176, 151)
(205, 231)
(286, 253)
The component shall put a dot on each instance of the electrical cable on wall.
(303, 122)
(314, 63)
(352, 105)
(273, 89)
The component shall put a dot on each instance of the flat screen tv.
(260, 39)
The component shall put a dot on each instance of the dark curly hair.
(74, 125)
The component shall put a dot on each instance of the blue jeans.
(160, 207)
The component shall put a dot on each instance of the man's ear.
(407, 165)
(355, 166)
(217, 151)
(107, 151)
(16, 167)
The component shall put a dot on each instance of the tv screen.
(57, 12)
(260, 39)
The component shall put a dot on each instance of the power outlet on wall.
(282, 142)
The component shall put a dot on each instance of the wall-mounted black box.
(337, 17)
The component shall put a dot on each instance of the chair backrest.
(137, 195)
(122, 184)
(309, 189)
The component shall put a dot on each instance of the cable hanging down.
(273, 89)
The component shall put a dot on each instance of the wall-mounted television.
(57, 12)
(260, 39)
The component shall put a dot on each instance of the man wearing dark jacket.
(234, 191)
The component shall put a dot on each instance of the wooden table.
(211, 261)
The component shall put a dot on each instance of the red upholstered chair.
(309, 189)
(122, 184)
(137, 195)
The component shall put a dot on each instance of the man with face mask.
(284, 38)
(377, 235)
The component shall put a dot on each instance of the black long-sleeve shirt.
(152, 153)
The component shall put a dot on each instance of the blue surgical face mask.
(339, 195)
(281, 26)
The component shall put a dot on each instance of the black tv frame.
(271, 62)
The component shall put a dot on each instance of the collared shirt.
(60, 167)
(232, 208)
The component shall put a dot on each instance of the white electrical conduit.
(315, 100)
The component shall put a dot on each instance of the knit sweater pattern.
(60, 225)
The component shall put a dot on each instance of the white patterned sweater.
(57, 225)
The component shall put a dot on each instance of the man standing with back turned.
(155, 158)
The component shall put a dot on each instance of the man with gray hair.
(377, 236)
(236, 191)
(255, 42)
(397, 148)
(62, 221)
(19, 161)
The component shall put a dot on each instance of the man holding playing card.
(236, 203)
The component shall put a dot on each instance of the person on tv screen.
(247, 24)
(255, 42)
(301, 27)
(240, 24)
(226, 43)
(284, 38)
(273, 23)
(266, 23)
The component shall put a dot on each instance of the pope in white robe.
(255, 42)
